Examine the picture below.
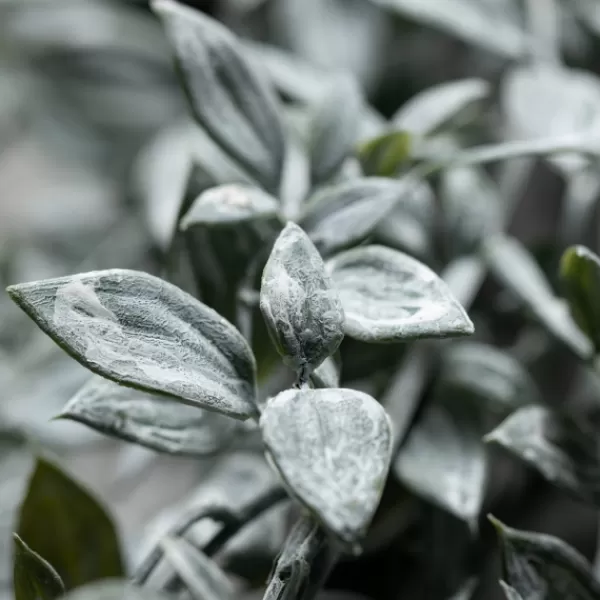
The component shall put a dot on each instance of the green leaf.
(334, 128)
(333, 449)
(228, 97)
(385, 154)
(341, 215)
(302, 310)
(62, 521)
(114, 589)
(541, 566)
(562, 449)
(389, 296)
(141, 331)
(513, 266)
(33, 577)
(580, 275)
(149, 420)
(433, 108)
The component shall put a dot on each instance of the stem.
(544, 29)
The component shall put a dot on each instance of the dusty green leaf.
(34, 578)
(228, 96)
(385, 154)
(63, 522)
(563, 450)
(141, 331)
(389, 296)
(540, 566)
(149, 420)
(114, 589)
(580, 275)
(301, 308)
(333, 449)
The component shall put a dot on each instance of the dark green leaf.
(149, 420)
(301, 308)
(333, 449)
(580, 275)
(63, 523)
(228, 97)
(141, 331)
(385, 154)
(114, 589)
(342, 215)
(389, 296)
(543, 567)
(561, 449)
(33, 577)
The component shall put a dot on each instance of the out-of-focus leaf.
(327, 375)
(513, 266)
(466, 590)
(580, 275)
(62, 522)
(464, 276)
(389, 296)
(34, 578)
(385, 154)
(149, 420)
(511, 593)
(341, 215)
(228, 97)
(301, 308)
(560, 448)
(114, 589)
(587, 11)
(494, 25)
(436, 106)
(333, 449)
(141, 331)
(540, 566)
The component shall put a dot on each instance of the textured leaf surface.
(228, 97)
(561, 449)
(389, 296)
(141, 331)
(333, 450)
(343, 214)
(33, 577)
(301, 308)
(540, 566)
(149, 420)
(62, 522)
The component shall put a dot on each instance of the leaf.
(62, 522)
(540, 566)
(33, 577)
(228, 97)
(510, 592)
(514, 267)
(141, 331)
(302, 310)
(389, 296)
(333, 449)
(334, 128)
(327, 375)
(564, 451)
(488, 375)
(341, 215)
(149, 420)
(443, 458)
(114, 590)
(385, 154)
(433, 108)
(580, 276)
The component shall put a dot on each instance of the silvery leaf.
(333, 449)
(341, 215)
(327, 375)
(543, 567)
(228, 97)
(300, 307)
(389, 296)
(141, 331)
(149, 420)
(563, 450)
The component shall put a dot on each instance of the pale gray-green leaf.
(113, 589)
(333, 449)
(141, 331)
(389, 296)
(301, 308)
(327, 375)
(149, 420)
(228, 96)
(562, 450)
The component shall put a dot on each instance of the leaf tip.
(497, 524)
